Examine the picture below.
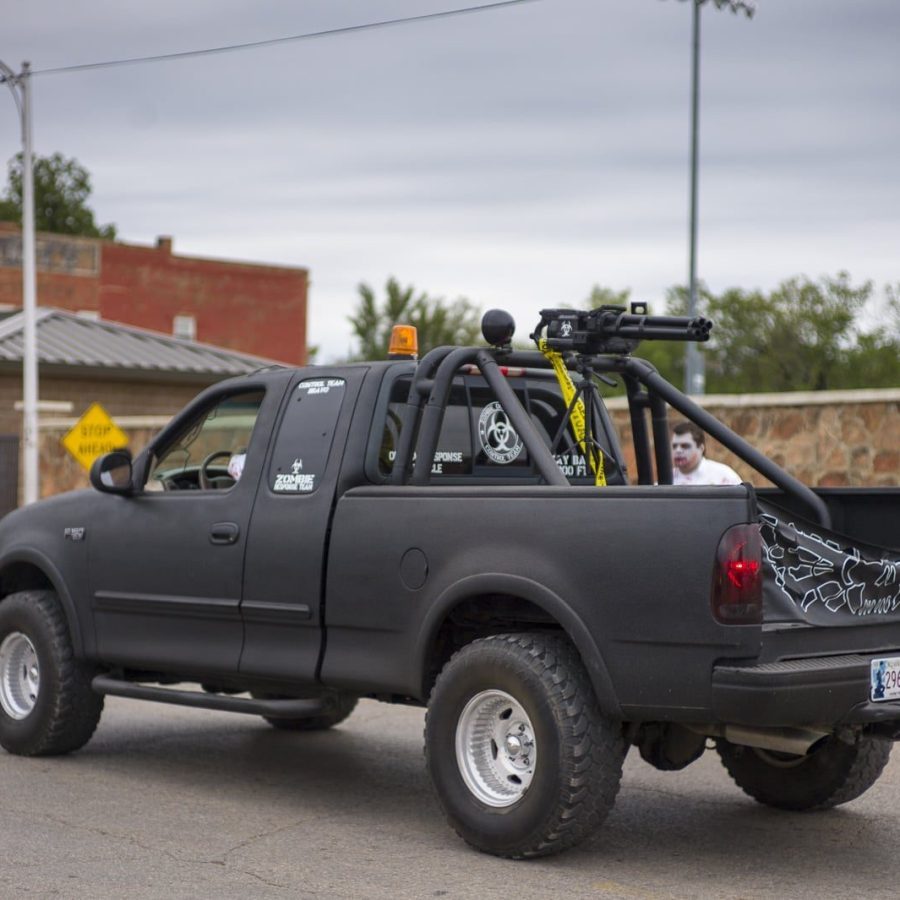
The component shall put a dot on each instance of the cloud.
(515, 157)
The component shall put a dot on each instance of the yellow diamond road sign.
(94, 434)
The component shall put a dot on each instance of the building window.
(185, 327)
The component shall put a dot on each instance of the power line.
(184, 54)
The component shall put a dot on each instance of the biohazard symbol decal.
(499, 440)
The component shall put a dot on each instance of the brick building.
(250, 308)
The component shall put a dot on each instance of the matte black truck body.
(618, 615)
(313, 579)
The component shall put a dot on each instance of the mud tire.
(579, 752)
(65, 709)
(835, 772)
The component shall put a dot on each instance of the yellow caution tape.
(592, 453)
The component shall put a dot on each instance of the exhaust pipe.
(798, 741)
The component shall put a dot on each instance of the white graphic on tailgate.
(810, 569)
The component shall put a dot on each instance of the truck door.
(284, 569)
(166, 564)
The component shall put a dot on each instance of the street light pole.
(21, 91)
(694, 363)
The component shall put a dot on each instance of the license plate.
(884, 679)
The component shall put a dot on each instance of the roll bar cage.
(646, 389)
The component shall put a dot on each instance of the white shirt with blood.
(707, 472)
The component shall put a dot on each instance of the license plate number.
(884, 680)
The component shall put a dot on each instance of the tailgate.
(831, 633)
(824, 578)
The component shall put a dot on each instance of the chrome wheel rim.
(20, 675)
(496, 749)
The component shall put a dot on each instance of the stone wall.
(823, 438)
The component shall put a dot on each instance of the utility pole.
(21, 91)
(694, 363)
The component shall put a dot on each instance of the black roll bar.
(637, 403)
(448, 363)
(657, 385)
(409, 425)
(433, 415)
(521, 421)
(659, 422)
(434, 377)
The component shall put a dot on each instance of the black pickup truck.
(463, 533)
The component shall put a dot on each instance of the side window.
(477, 439)
(454, 450)
(209, 453)
(304, 439)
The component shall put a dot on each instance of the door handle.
(224, 533)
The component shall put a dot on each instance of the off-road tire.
(835, 772)
(340, 705)
(66, 711)
(579, 752)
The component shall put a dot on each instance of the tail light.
(737, 596)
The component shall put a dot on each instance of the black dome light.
(498, 327)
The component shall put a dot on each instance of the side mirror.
(112, 473)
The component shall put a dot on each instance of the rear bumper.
(828, 690)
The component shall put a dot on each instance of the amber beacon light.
(404, 342)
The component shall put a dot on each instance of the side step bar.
(275, 709)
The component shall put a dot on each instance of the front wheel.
(46, 703)
(832, 773)
(522, 761)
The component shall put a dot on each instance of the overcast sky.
(515, 157)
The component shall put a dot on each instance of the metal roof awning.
(85, 346)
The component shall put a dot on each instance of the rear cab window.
(478, 443)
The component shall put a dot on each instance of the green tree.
(874, 361)
(61, 191)
(791, 339)
(437, 321)
(601, 295)
(804, 335)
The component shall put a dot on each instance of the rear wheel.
(523, 762)
(46, 703)
(834, 772)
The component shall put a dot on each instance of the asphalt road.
(171, 803)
